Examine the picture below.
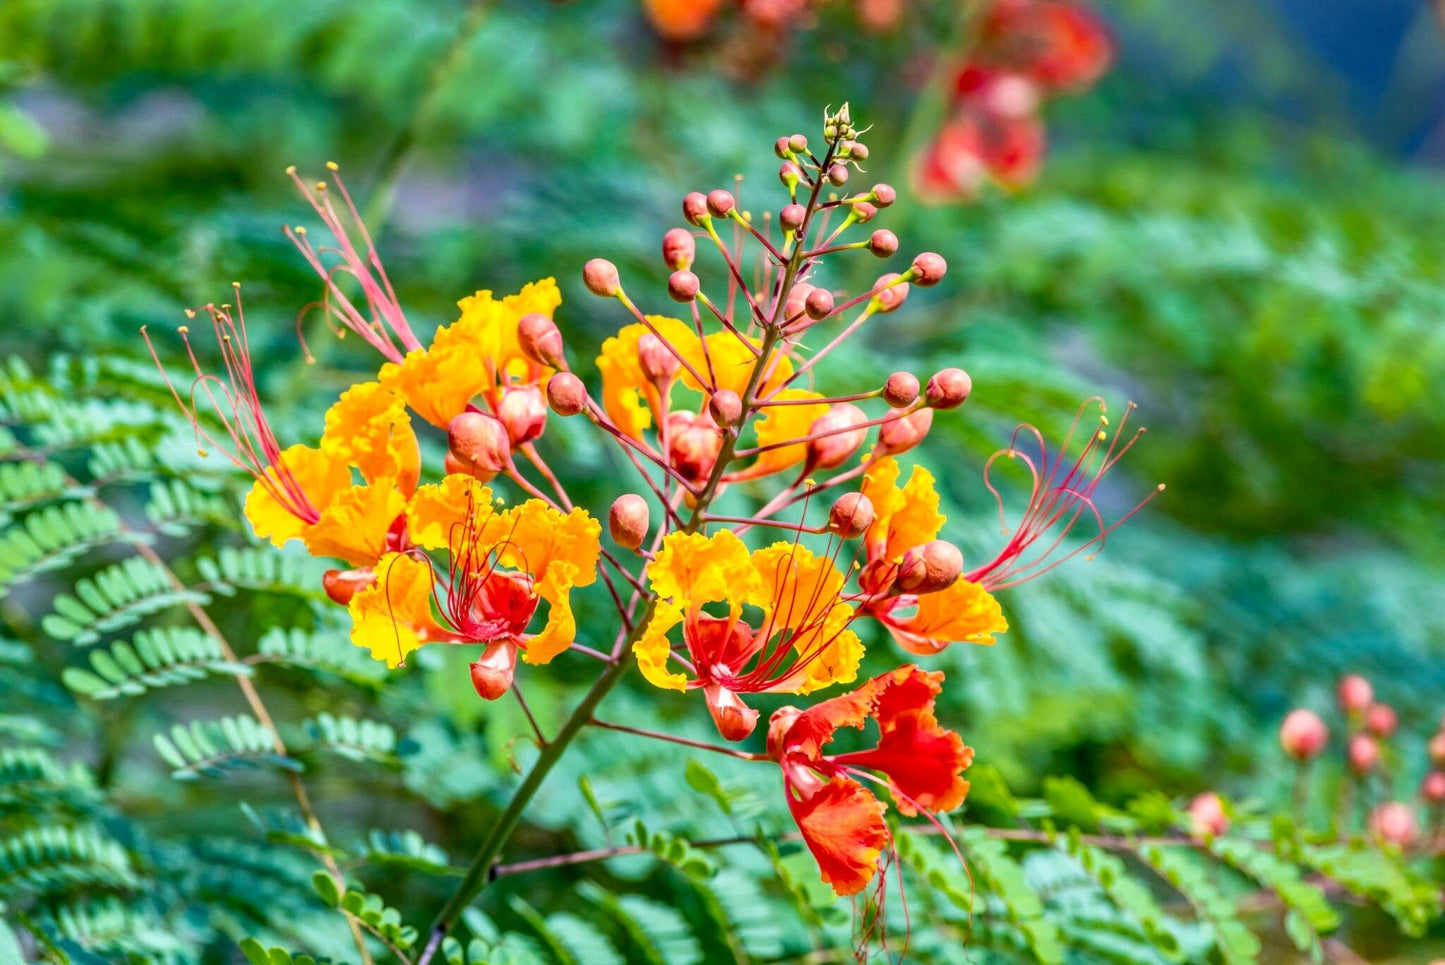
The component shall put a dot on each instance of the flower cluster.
(686, 20)
(1024, 52)
(715, 402)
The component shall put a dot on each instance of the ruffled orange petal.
(368, 428)
(355, 526)
(903, 518)
(320, 475)
(491, 325)
(843, 827)
(624, 387)
(653, 650)
(560, 631)
(963, 612)
(392, 617)
(438, 514)
(539, 538)
(691, 569)
(783, 422)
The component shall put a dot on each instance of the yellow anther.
(332, 165)
(1103, 435)
(183, 329)
(301, 230)
(320, 185)
(810, 482)
(235, 284)
(1103, 420)
(291, 169)
(203, 453)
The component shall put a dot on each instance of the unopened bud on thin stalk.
(523, 412)
(781, 148)
(791, 217)
(679, 248)
(694, 208)
(658, 362)
(851, 515)
(601, 278)
(725, 407)
(629, 520)
(899, 435)
(1436, 749)
(948, 389)
(693, 444)
(929, 269)
(837, 175)
(1381, 720)
(720, 202)
(818, 304)
(682, 286)
(934, 566)
(1206, 813)
(480, 443)
(790, 174)
(883, 195)
(1364, 754)
(566, 394)
(901, 389)
(834, 440)
(540, 340)
(1395, 823)
(1355, 694)
(890, 292)
(798, 143)
(1303, 735)
(883, 243)
(797, 302)
(1432, 789)
(863, 212)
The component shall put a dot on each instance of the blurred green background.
(1241, 228)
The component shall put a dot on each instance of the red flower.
(1062, 46)
(919, 763)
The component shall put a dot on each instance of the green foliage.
(210, 748)
(160, 657)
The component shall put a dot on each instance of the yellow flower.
(903, 518)
(315, 475)
(393, 616)
(628, 396)
(560, 551)
(368, 428)
(780, 423)
(732, 364)
(963, 612)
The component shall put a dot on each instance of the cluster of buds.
(718, 397)
(1025, 52)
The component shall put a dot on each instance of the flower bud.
(566, 394)
(1395, 823)
(889, 293)
(863, 212)
(818, 304)
(1206, 813)
(540, 340)
(492, 673)
(781, 148)
(948, 389)
(934, 566)
(1303, 735)
(901, 389)
(1436, 749)
(837, 175)
(694, 208)
(725, 407)
(851, 515)
(1355, 694)
(791, 217)
(342, 585)
(523, 412)
(834, 440)
(735, 720)
(629, 520)
(682, 286)
(797, 143)
(797, 302)
(778, 726)
(858, 151)
(883, 243)
(679, 248)
(929, 269)
(901, 434)
(790, 174)
(693, 444)
(1432, 788)
(658, 362)
(720, 202)
(479, 442)
(601, 278)
(883, 195)
(1381, 720)
(1364, 753)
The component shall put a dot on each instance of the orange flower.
(681, 19)
(918, 761)
(802, 644)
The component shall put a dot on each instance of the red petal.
(843, 826)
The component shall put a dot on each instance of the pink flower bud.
(629, 520)
(858, 151)
(658, 362)
(540, 341)
(883, 243)
(492, 674)
(693, 444)
(342, 585)
(797, 143)
(863, 212)
(837, 175)
(679, 248)
(735, 720)
(818, 304)
(523, 412)
(1381, 720)
(948, 389)
(901, 434)
(900, 390)
(1355, 694)
(797, 302)
(851, 515)
(1395, 823)
(1364, 754)
(725, 407)
(682, 285)
(934, 566)
(889, 295)
(790, 174)
(566, 394)
(1303, 735)
(601, 278)
(479, 442)
(694, 208)
(1206, 812)
(720, 202)
(791, 217)
(781, 148)
(834, 442)
(1432, 788)
(929, 269)
(883, 195)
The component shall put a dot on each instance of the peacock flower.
(916, 760)
(479, 354)
(501, 565)
(632, 400)
(801, 644)
(1060, 46)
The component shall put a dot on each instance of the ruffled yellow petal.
(799, 594)
(691, 569)
(368, 428)
(491, 325)
(732, 363)
(545, 543)
(625, 390)
(963, 613)
(318, 474)
(561, 628)
(903, 518)
(839, 651)
(354, 527)
(781, 423)
(652, 649)
(437, 513)
(392, 617)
